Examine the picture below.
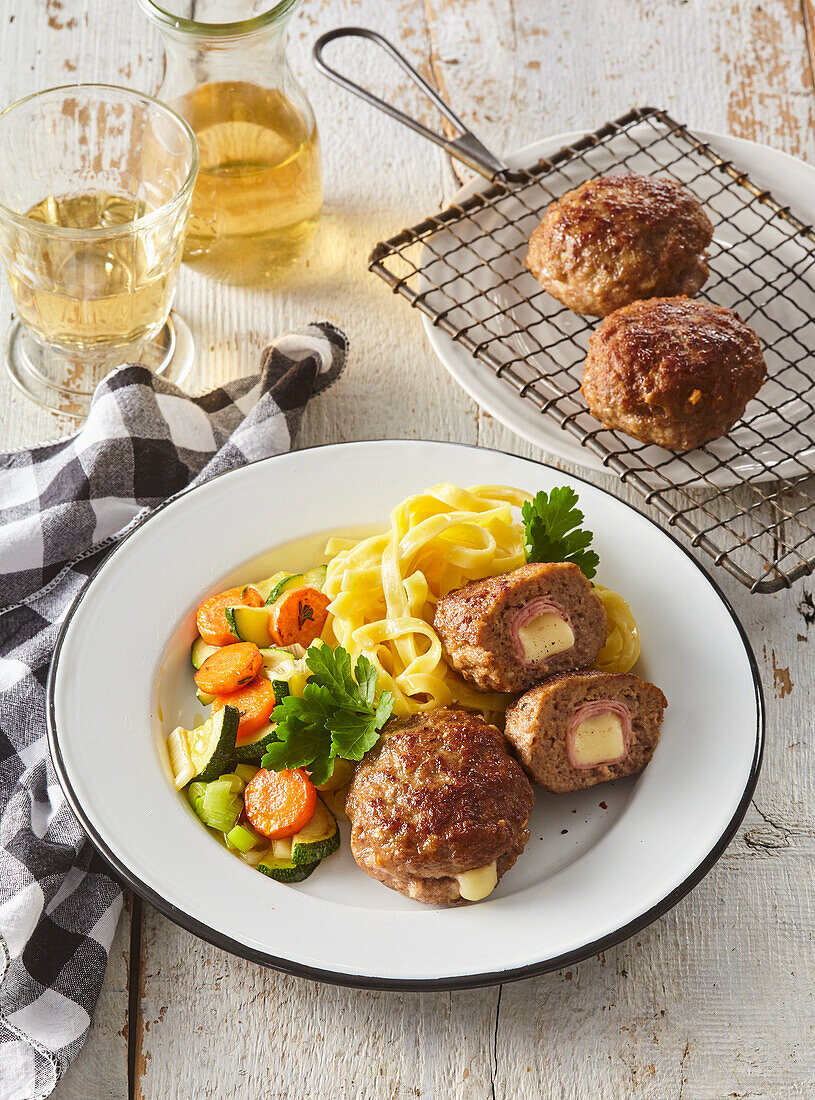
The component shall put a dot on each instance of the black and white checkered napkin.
(63, 506)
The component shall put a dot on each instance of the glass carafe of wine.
(258, 197)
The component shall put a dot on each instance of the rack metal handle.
(466, 147)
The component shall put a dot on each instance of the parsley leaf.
(552, 530)
(295, 752)
(332, 669)
(366, 679)
(338, 715)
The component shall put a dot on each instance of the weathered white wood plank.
(214, 1026)
(100, 1070)
(809, 20)
(674, 1012)
(713, 1000)
(715, 64)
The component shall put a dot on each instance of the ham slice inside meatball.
(540, 629)
(599, 733)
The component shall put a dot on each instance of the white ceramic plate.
(792, 183)
(600, 865)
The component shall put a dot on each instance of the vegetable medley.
(287, 715)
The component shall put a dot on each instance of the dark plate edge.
(468, 981)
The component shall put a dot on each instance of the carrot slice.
(254, 703)
(298, 616)
(279, 804)
(212, 624)
(229, 668)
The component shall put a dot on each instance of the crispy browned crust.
(439, 795)
(618, 238)
(473, 624)
(672, 371)
(538, 721)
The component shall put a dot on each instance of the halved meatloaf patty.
(507, 633)
(439, 808)
(583, 728)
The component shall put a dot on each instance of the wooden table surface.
(716, 999)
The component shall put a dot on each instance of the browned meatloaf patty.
(672, 371)
(437, 796)
(619, 238)
(546, 727)
(484, 626)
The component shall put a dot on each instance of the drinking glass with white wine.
(94, 204)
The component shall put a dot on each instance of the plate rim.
(446, 349)
(225, 942)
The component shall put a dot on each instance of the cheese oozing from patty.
(479, 883)
(544, 636)
(598, 740)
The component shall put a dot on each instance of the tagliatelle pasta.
(622, 648)
(384, 590)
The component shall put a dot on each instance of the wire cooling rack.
(745, 499)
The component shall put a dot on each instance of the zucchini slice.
(211, 746)
(315, 578)
(265, 587)
(275, 657)
(250, 624)
(200, 651)
(204, 699)
(290, 580)
(253, 751)
(281, 664)
(283, 870)
(316, 840)
(281, 690)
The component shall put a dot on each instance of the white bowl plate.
(755, 450)
(600, 865)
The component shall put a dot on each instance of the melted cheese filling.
(479, 883)
(598, 740)
(545, 636)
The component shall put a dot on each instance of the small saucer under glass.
(169, 355)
